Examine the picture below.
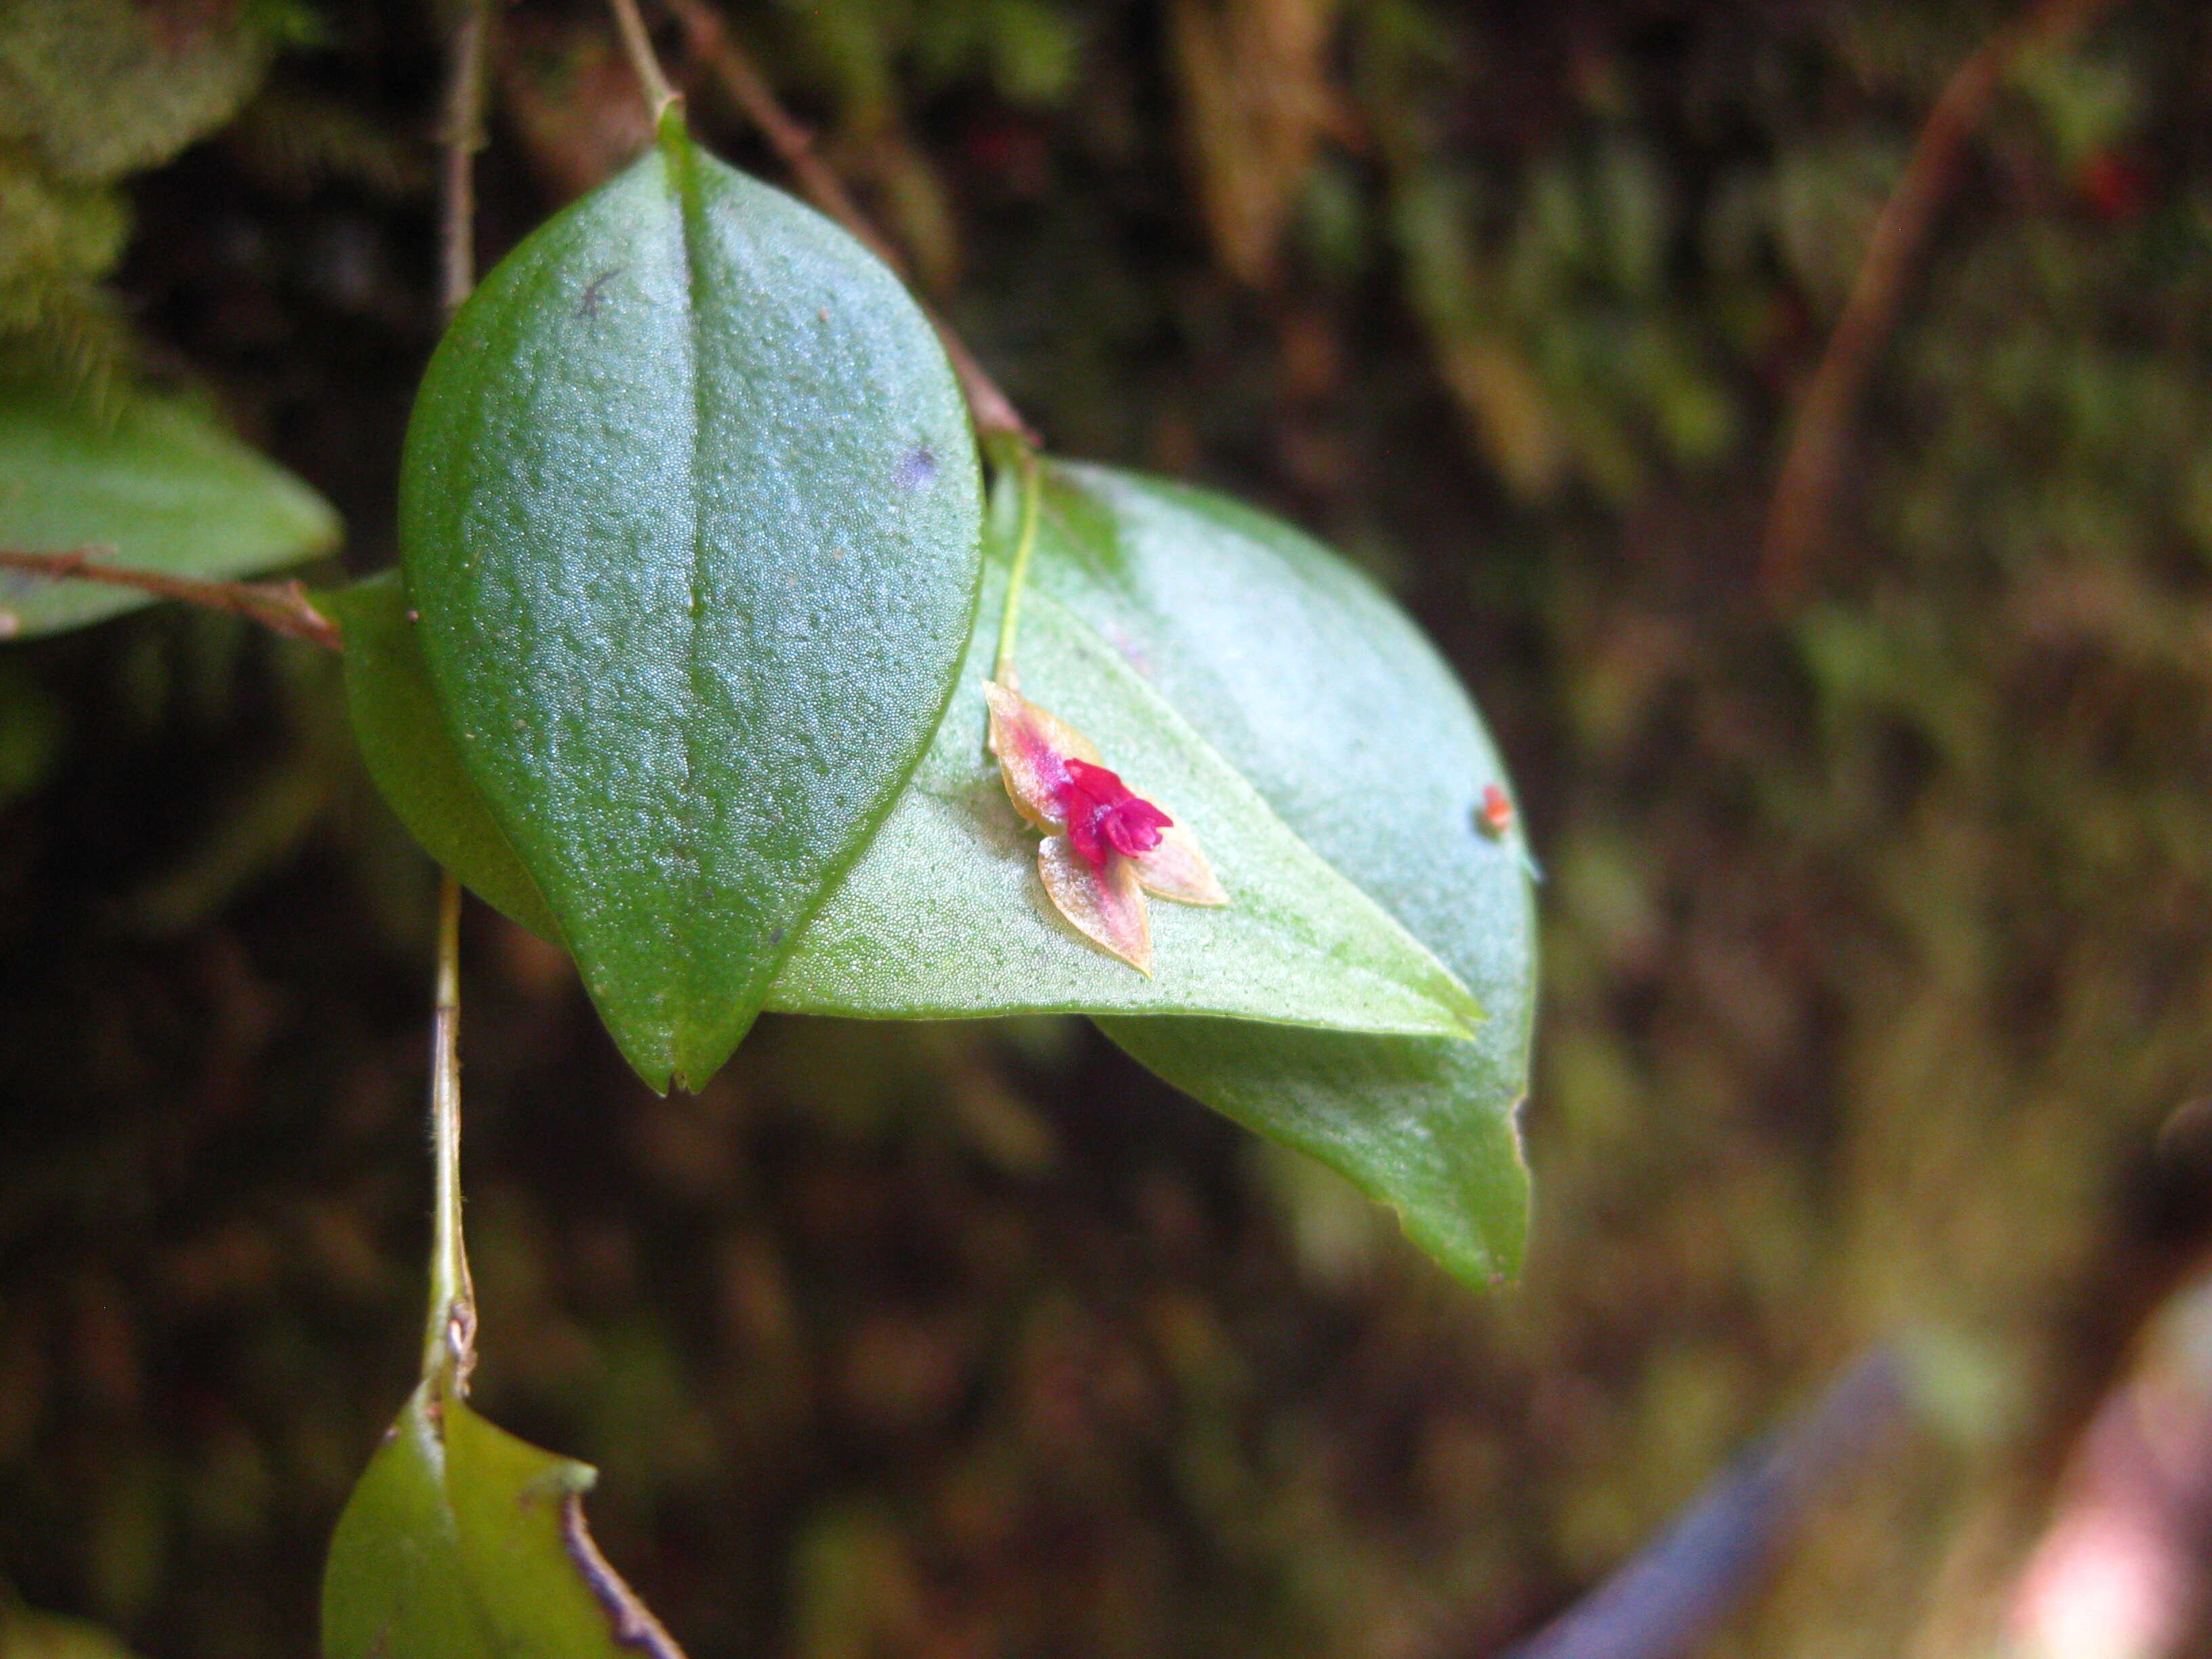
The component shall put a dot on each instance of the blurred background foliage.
(1876, 982)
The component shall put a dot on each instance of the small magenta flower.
(1105, 847)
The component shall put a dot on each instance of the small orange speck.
(1495, 815)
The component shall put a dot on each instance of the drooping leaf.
(151, 483)
(944, 916)
(463, 1542)
(690, 510)
(1322, 693)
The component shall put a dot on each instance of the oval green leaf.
(1320, 691)
(462, 1542)
(148, 482)
(690, 510)
(411, 754)
(945, 917)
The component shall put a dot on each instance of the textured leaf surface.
(463, 1542)
(1321, 692)
(152, 483)
(945, 914)
(411, 754)
(690, 509)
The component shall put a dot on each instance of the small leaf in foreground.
(689, 508)
(153, 484)
(463, 1542)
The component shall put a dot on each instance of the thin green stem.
(1010, 619)
(639, 45)
(449, 1346)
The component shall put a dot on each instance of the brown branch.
(283, 606)
(709, 42)
(462, 138)
(639, 45)
(1797, 520)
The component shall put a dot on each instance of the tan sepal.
(1105, 906)
(1176, 870)
(1033, 747)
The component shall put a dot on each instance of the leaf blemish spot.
(588, 305)
(919, 467)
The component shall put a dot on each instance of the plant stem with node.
(639, 45)
(281, 606)
(449, 1343)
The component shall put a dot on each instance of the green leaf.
(151, 483)
(25, 1634)
(945, 914)
(1322, 693)
(411, 754)
(690, 509)
(463, 1542)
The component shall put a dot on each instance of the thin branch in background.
(710, 43)
(462, 138)
(283, 606)
(1669, 1597)
(639, 45)
(449, 1343)
(1797, 520)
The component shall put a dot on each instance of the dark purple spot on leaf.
(919, 467)
(588, 305)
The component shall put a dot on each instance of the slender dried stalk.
(283, 606)
(709, 42)
(463, 138)
(449, 1343)
(639, 45)
(1797, 520)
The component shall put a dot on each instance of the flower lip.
(1104, 817)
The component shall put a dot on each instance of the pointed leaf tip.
(461, 1542)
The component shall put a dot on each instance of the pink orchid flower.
(1104, 847)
